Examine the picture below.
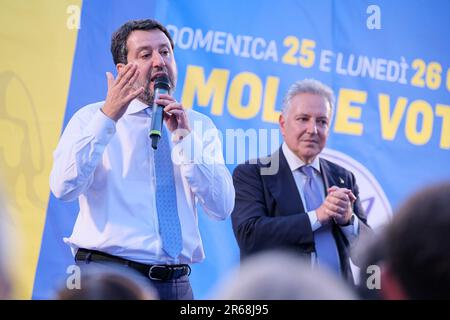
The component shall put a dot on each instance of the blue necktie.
(166, 198)
(326, 249)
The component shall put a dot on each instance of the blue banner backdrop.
(387, 62)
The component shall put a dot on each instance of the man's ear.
(119, 66)
(391, 289)
(282, 122)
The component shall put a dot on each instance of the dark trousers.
(176, 289)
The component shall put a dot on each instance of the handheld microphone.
(161, 86)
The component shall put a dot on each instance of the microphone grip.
(157, 120)
(156, 126)
(155, 140)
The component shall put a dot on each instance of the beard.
(148, 95)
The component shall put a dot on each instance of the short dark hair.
(418, 244)
(119, 38)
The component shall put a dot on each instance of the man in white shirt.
(105, 159)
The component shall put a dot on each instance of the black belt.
(154, 272)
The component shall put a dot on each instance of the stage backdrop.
(387, 62)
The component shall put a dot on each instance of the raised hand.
(121, 91)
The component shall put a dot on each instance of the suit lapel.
(329, 177)
(282, 186)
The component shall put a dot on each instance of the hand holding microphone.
(161, 87)
(166, 107)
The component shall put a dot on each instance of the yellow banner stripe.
(38, 43)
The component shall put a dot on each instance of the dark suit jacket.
(269, 212)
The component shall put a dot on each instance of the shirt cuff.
(315, 223)
(351, 230)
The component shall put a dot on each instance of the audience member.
(416, 263)
(110, 282)
(281, 275)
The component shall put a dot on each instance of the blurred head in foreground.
(279, 275)
(416, 258)
(110, 283)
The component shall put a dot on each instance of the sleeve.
(315, 223)
(360, 230)
(78, 153)
(351, 231)
(201, 161)
(361, 218)
(256, 226)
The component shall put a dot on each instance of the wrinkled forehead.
(310, 104)
(147, 39)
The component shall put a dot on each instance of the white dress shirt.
(295, 163)
(109, 167)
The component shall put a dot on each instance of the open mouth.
(157, 75)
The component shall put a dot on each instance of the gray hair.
(280, 275)
(308, 86)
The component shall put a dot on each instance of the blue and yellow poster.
(387, 62)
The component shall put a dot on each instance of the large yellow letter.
(235, 95)
(270, 95)
(444, 111)
(346, 111)
(389, 124)
(215, 87)
(423, 135)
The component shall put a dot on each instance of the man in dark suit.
(295, 200)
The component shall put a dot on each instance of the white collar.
(295, 162)
(136, 106)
